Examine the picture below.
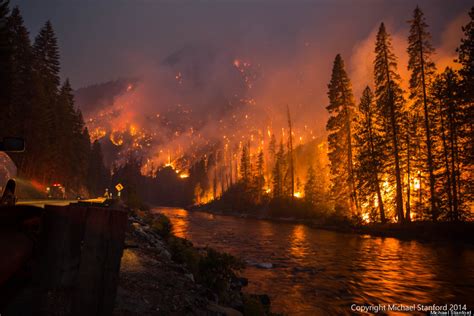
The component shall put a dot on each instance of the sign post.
(119, 188)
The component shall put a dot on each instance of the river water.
(318, 272)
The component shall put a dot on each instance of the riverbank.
(452, 232)
(156, 280)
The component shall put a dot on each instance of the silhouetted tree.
(339, 127)
(422, 71)
(370, 152)
(390, 101)
(5, 67)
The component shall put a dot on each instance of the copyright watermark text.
(433, 309)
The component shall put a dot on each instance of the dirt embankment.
(153, 283)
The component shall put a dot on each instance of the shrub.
(161, 225)
(211, 268)
(217, 269)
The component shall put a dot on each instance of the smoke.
(203, 96)
(363, 55)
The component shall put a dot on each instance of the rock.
(190, 276)
(264, 265)
(223, 310)
(241, 282)
(166, 254)
(264, 299)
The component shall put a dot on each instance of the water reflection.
(180, 223)
(317, 272)
(298, 246)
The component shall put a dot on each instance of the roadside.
(161, 274)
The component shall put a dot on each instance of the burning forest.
(262, 133)
(226, 124)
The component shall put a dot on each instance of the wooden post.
(60, 246)
(102, 250)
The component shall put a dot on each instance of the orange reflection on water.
(180, 223)
(298, 247)
(392, 269)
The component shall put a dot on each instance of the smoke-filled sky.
(281, 50)
(102, 40)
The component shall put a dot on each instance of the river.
(319, 272)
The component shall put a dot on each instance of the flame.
(416, 184)
(298, 195)
(365, 217)
(116, 138)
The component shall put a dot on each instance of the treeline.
(393, 156)
(36, 105)
(266, 179)
(405, 155)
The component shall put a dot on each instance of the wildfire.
(298, 195)
(133, 130)
(184, 175)
(116, 138)
(416, 184)
(365, 217)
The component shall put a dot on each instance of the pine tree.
(22, 93)
(46, 70)
(370, 152)
(310, 187)
(291, 160)
(271, 156)
(5, 67)
(98, 177)
(390, 101)
(339, 126)
(450, 126)
(466, 59)
(260, 170)
(70, 140)
(245, 166)
(279, 171)
(422, 71)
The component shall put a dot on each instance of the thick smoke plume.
(202, 97)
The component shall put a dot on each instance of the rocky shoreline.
(152, 282)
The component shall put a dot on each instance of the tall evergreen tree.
(291, 160)
(5, 67)
(341, 110)
(245, 166)
(390, 101)
(22, 93)
(370, 152)
(310, 187)
(97, 174)
(450, 124)
(422, 71)
(279, 171)
(46, 69)
(72, 145)
(466, 59)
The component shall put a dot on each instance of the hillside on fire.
(239, 157)
(397, 149)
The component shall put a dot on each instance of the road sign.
(119, 187)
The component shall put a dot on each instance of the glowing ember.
(365, 217)
(416, 184)
(298, 195)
